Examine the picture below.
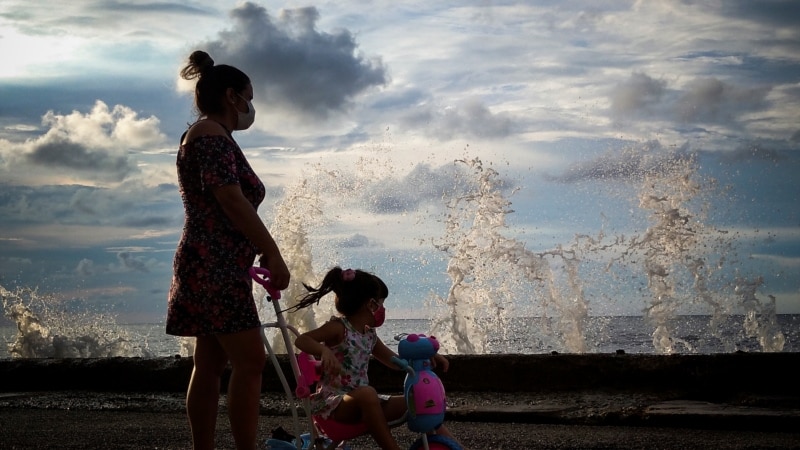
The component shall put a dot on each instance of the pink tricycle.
(423, 390)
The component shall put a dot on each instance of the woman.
(211, 294)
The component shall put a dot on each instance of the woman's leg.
(202, 396)
(246, 353)
(363, 405)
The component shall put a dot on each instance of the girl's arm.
(384, 354)
(316, 342)
(441, 362)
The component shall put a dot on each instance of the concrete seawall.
(704, 375)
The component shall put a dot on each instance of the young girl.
(344, 345)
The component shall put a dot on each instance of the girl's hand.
(439, 360)
(330, 364)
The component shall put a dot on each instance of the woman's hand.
(278, 271)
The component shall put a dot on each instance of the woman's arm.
(244, 217)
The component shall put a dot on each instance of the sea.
(630, 334)
(505, 294)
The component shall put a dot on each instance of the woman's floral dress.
(353, 353)
(211, 289)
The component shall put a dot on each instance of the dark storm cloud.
(62, 153)
(628, 164)
(292, 63)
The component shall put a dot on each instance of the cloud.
(470, 119)
(129, 204)
(293, 65)
(60, 153)
(422, 184)
(638, 94)
(91, 147)
(103, 18)
(131, 262)
(711, 100)
(708, 100)
(85, 268)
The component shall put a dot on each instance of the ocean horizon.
(523, 335)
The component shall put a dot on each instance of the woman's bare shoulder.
(204, 127)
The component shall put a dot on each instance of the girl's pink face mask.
(379, 315)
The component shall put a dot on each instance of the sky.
(363, 109)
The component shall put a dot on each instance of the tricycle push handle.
(262, 277)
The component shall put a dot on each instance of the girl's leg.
(246, 353)
(202, 396)
(394, 408)
(363, 405)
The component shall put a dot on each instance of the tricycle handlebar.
(403, 364)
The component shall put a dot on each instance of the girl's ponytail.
(352, 287)
(315, 294)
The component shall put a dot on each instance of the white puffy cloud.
(92, 148)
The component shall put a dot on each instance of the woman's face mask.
(246, 119)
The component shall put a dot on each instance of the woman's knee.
(245, 351)
(252, 365)
(209, 357)
(251, 362)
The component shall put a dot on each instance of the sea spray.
(670, 245)
(310, 209)
(683, 258)
(47, 330)
(348, 216)
(495, 278)
(760, 321)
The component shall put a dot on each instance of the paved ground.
(583, 420)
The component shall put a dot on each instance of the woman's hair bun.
(200, 62)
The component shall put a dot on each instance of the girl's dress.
(211, 289)
(353, 353)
